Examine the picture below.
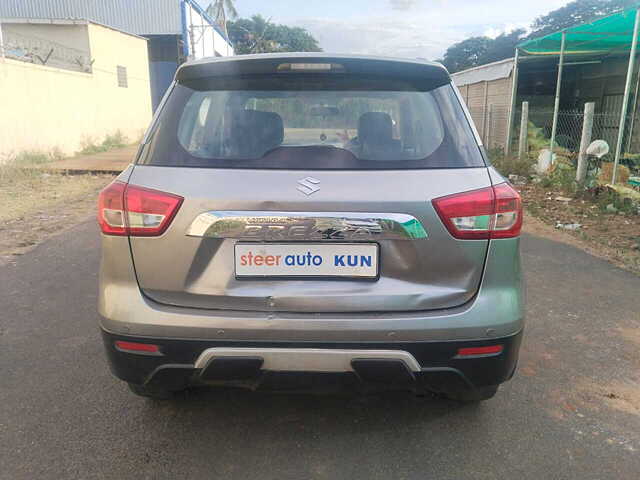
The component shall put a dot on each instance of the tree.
(295, 39)
(252, 35)
(476, 51)
(503, 46)
(465, 54)
(259, 35)
(575, 13)
(218, 10)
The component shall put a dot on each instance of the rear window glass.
(312, 123)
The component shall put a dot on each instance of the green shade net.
(607, 34)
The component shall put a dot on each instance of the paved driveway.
(572, 411)
(111, 161)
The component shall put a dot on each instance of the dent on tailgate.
(412, 274)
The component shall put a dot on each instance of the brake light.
(125, 209)
(492, 212)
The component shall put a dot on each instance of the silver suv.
(299, 221)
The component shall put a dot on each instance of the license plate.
(356, 260)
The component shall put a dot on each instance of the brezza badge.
(309, 226)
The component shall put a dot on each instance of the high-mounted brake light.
(310, 67)
(492, 212)
(137, 211)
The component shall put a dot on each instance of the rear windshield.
(312, 123)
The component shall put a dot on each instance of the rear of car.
(303, 219)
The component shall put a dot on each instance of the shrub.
(606, 172)
(89, 146)
(510, 165)
(562, 175)
(605, 196)
(116, 140)
(30, 157)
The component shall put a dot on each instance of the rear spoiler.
(313, 63)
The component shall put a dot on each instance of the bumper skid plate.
(416, 366)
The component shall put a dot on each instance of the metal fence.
(492, 122)
(569, 129)
(45, 52)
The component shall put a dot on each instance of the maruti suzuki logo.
(308, 185)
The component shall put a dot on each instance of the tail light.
(492, 212)
(137, 211)
(111, 209)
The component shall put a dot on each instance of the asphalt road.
(572, 411)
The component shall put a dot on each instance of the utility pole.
(556, 107)
(512, 107)
(524, 127)
(587, 128)
(625, 100)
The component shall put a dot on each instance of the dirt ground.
(35, 206)
(612, 236)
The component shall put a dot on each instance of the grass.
(35, 204)
(32, 192)
(510, 165)
(117, 140)
(25, 190)
(13, 171)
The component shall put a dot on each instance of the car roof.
(266, 63)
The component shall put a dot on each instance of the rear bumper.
(496, 311)
(418, 366)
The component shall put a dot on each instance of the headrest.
(375, 127)
(254, 132)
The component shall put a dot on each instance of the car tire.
(154, 393)
(474, 396)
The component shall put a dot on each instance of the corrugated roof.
(484, 73)
(142, 17)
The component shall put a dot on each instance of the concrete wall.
(72, 36)
(45, 108)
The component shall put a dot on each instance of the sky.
(400, 28)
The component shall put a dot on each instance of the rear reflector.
(472, 351)
(137, 347)
(492, 212)
(125, 209)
